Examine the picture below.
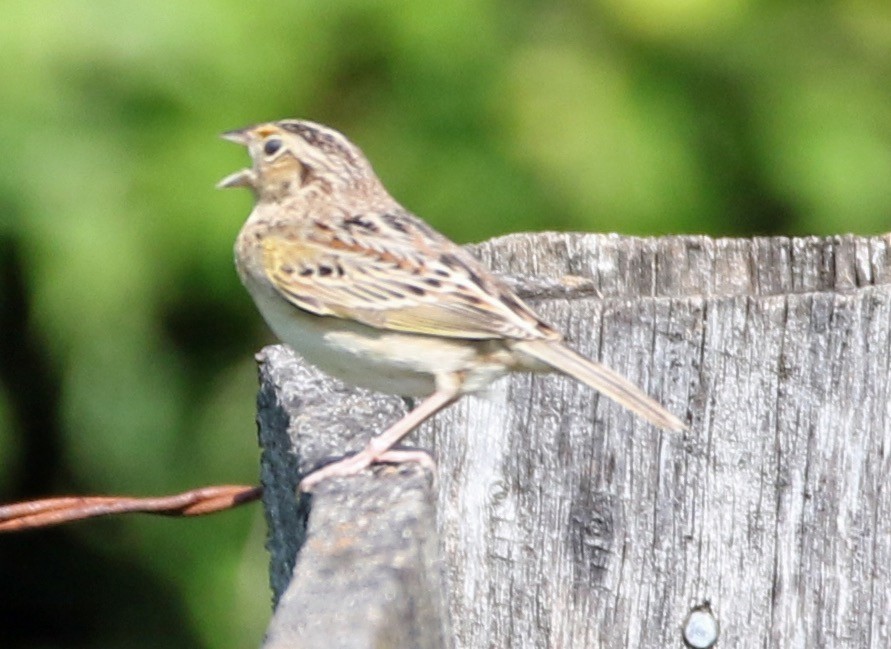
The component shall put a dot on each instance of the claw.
(354, 464)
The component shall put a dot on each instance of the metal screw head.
(701, 628)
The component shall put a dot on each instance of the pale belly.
(391, 362)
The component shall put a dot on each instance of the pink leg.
(379, 447)
(402, 456)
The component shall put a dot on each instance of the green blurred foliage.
(127, 339)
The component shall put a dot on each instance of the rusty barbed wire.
(17, 517)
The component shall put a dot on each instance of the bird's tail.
(601, 378)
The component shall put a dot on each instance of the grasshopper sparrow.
(369, 293)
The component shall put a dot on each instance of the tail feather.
(601, 378)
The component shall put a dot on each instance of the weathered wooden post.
(559, 520)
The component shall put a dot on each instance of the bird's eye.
(272, 146)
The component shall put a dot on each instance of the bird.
(371, 294)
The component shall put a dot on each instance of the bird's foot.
(353, 464)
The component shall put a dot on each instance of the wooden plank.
(368, 572)
(563, 521)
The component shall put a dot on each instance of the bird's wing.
(407, 279)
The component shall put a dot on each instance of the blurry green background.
(125, 339)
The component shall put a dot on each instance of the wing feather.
(399, 287)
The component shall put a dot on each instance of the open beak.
(243, 177)
(241, 136)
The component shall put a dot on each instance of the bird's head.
(295, 157)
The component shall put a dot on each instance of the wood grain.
(563, 521)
